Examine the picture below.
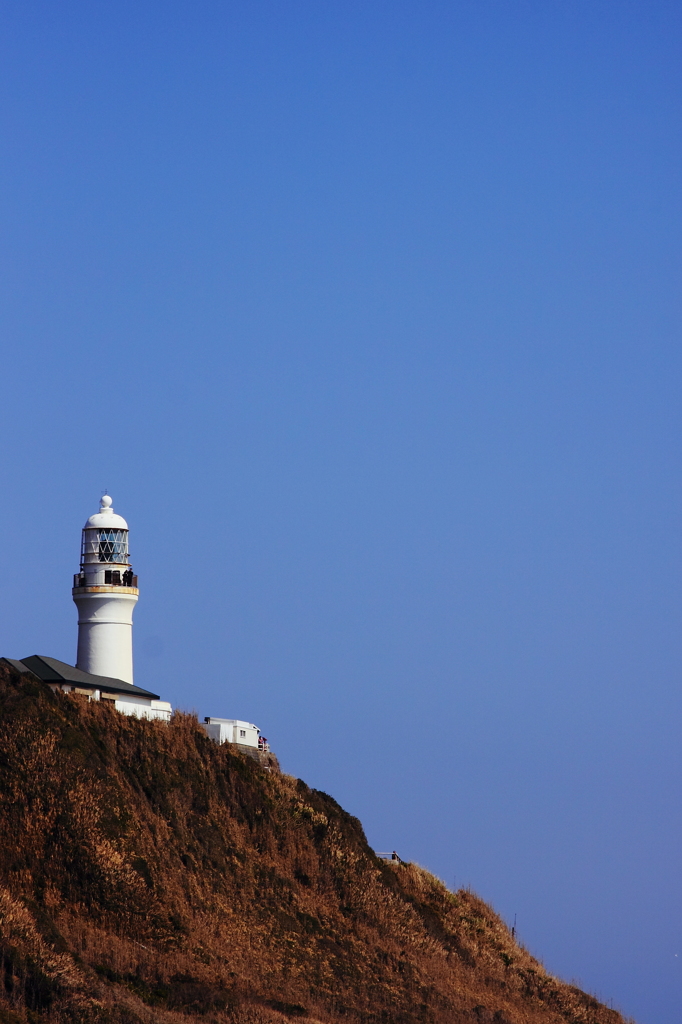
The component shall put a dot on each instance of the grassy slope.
(149, 875)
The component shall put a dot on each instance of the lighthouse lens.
(113, 546)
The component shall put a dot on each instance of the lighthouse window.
(113, 546)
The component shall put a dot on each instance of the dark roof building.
(50, 670)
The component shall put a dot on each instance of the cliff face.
(149, 875)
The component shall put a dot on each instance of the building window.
(242, 732)
(113, 546)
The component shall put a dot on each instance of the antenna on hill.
(514, 927)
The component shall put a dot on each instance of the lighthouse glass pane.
(113, 546)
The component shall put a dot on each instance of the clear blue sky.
(368, 316)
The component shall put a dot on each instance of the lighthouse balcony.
(108, 578)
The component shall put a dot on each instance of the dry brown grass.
(147, 875)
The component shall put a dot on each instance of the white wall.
(140, 707)
(231, 730)
(105, 634)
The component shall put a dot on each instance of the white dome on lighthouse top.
(106, 518)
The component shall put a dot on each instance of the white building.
(105, 592)
(126, 698)
(231, 730)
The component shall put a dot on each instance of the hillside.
(148, 875)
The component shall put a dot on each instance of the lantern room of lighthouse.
(105, 591)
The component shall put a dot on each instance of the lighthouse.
(105, 592)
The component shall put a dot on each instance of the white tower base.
(105, 630)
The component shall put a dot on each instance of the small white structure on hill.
(231, 730)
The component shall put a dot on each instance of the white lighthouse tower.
(105, 592)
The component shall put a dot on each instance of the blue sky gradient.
(368, 317)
